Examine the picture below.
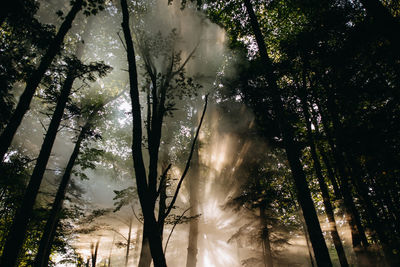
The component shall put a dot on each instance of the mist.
(267, 133)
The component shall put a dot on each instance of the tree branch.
(163, 177)
(186, 61)
(188, 161)
(173, 227)
(134, 213)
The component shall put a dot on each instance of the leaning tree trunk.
(42, 257)
(304, 227)
(359, 239)
(128, 242)
(321, 180)
(34, 80)
(292, 150)
(18, 230)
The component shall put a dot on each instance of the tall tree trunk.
(267, 252)
(42, 257)
(17, 233)
(146, 201)
(191, 259)
(375, 223)
(34, 80)
(292, 150)
(145, 257)
(330, 172)
(327, 202)
(321, 180)
(303, 224)
(359, 239)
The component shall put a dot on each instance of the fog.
(224, 148)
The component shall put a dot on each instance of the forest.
(207, 133)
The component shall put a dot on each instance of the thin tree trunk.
(265, 237)
(17, 233)
(321, 180)
(292, 150)
(33, 81)
(95, 250)
(191, 259)
(42, 257)
(359, 239)
(109, 256)
(375, 222)
(128, 242)
(137, 247)
(327, 202)
(46, 241)
(331, 174)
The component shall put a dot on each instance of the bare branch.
(122, 42)
(134, 213)
(171, 205)
(44, 127)
(115, 231)
(173, 227)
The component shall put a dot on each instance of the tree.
(34, 80)
(148, 191)
(293, 153)
(18, 230)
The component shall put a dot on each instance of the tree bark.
(146, 200)
(292, 150)
(145, 255)
(326, 199)
(321, 180)
(17, 233)
(33, 81)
